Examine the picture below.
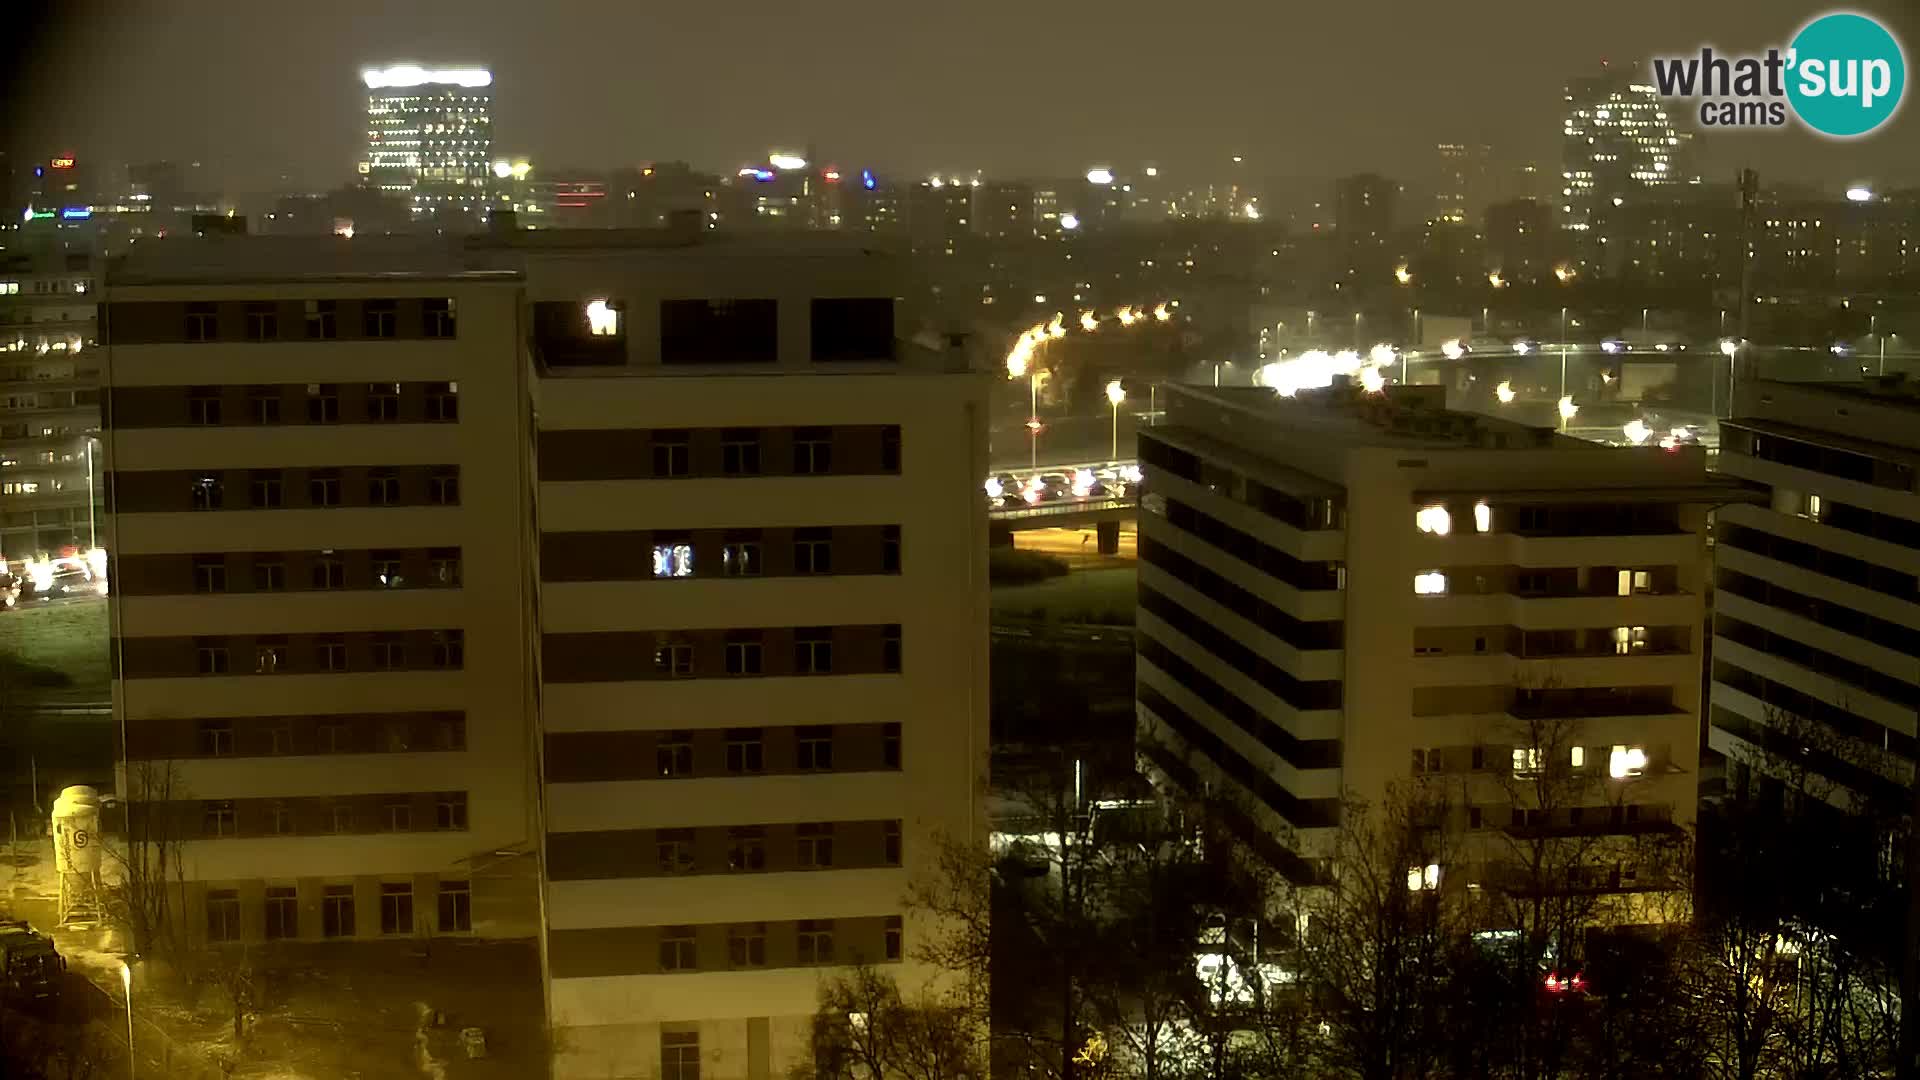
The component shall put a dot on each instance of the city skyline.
(1097, 89)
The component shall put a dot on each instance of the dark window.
(740, 452)
(379, 319)
(745, 750)
(890, 549)
(813, 450)
(890, 650)
(283, 912)
(853, 330)
(320, 320)
(813, 748)
(218, 818)
(206, 493)
(443, 401)
(263, 403)
(719, 331)
(397, 816)
(203, 405)
(396, 908)
(437, 317)
(814, 943)
(383, 402)
(323, 403)
(670, 457)
(814, 844)
(747, 849)
(747, 946)
(443, 486)
(895, 932)
(263, 323)
(269, 576)
(450, 810)
(890, 843)
(673, 659)
(456, 899)
(673, 753)
(677, 952)
(890, 448)
(329, 572)
(383, 487)
(264, 488)
(336, 911)
(323, 487)
(813, 651)
(330, 652)
(209, 573)
(388, 653)
(212, 659)
(384, 567)
(890, 745)
(679, 1055)
(216, 738)
(443, 567)
(673, 849)
(223, 915)
(449, 649)
(813, 551)
(203, 322)
(743, 656)
(450, 733)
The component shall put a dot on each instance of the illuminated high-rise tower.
(430, 136)
(1620, 145)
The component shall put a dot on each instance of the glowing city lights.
(1069, 222)
(781, 160)
(1728, 347)
(1433, 519)
(1859, 194)
(1116, 393)
(1482, 517)
(603, 319)
(1160, 312)
(1089, 321)
(1452, 349)
(403, 75)
(1637, 431)
(1101, 176)
(1496, 280)
(1568, 410)
(1403, 275)
(1371, 380)
(1504, 392)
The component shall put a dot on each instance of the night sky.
(265, 90)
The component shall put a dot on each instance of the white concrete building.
(1341, 590)
(1816, 609)
(317, 663)
(763, 638)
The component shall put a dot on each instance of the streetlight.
(126, 981)
(1115, 395)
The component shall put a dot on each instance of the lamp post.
(1033, 419)
(1117, 394)
(126, 980)
(1563, 360)
(93, 541)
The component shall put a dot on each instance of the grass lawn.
(60, 648)
(1084, 596)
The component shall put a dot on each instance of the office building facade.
(430, 138)
(1619, 145)
(49, 408)
(1344, 593)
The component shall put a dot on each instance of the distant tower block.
(76, 854)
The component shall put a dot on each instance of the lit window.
(1578, 757)
(1423, 878)
(1626, 761)
(1526, 760)
(1430, 583)
(672, 560)
(1629, 639)
(1434, 519)
(603, 319)
(1482, 517)
(1816, 507)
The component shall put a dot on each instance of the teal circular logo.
(1846, 75)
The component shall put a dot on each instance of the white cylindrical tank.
(76, 831)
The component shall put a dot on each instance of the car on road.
(9, 591)
(30, 967)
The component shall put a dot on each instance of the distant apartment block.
(49, 406)
(1342, 592)
(1816, 614)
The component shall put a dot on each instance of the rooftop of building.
(1874, 416)
(1405, 417)
(252, 259)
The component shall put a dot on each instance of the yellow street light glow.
(1636, 431)
(1728, 347)
(1494, 279)
(1252, 212)
(1089, 321)
(1504, 392)
(502, 169)
(521, 169)
(1160, 312)
(1568, 410)
(1381, 355)
(1126, 316)
(1057, 328)
(1403, 275)
(1116, 393)
(1565, 274)
(1452, 349)
(1371, 380)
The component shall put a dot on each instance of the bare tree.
(865, 1030)
(150, 897)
